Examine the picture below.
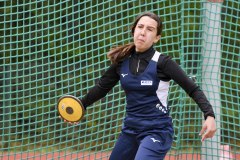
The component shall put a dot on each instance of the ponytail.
(118, 53)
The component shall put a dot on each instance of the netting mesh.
(52, 48)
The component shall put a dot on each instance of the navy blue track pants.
(144, 146)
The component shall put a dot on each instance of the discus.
(70, 108)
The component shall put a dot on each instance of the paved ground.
(88, 156)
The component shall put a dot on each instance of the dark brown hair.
(117, 54)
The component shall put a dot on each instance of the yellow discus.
(70, 108)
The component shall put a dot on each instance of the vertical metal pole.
(211, 53)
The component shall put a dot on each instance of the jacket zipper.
(138, 65)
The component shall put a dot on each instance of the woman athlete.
(144, 74)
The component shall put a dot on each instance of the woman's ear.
(157, 38)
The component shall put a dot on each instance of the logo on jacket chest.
(146, 82)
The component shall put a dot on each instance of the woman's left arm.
(174, 71)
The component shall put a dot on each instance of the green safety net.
(53, 48)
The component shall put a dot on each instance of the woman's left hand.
(208, 128)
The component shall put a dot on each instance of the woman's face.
(145, 34)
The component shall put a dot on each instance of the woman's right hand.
(71, 123)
